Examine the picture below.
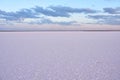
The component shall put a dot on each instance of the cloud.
(37, 12)
(50, 12)
(6, 15)
(61, 11)
(18, 15)
(48, 21)
(26, 13)
(106, 19)
(54, 11)
(71, 10)
(112, 10)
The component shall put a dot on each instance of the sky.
(59, 14)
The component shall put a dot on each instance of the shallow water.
(59, 55)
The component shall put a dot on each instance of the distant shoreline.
(59, 30)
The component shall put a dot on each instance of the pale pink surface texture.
(59, 55)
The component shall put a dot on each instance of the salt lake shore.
(60, 55)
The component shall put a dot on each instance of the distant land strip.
(59, 30)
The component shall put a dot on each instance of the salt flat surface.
(59, 55)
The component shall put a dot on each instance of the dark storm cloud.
(107, 19)
(112, 10)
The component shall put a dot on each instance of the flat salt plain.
(60, 55)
